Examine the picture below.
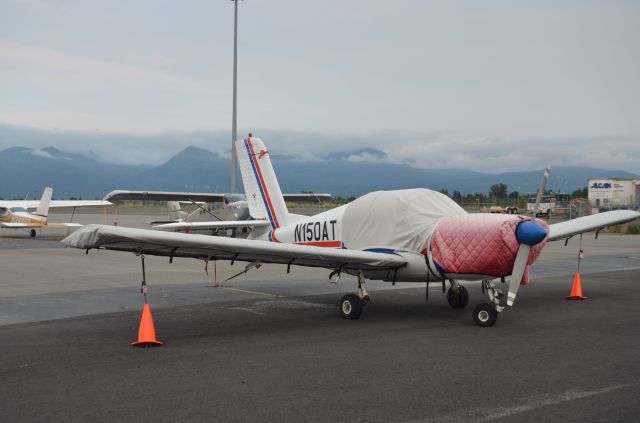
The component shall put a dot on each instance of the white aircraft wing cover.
(124, 195)
(401, 220)
(33, 204)
(152, 242)
(594, 222)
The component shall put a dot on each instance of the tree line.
(499, 194)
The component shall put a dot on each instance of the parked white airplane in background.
(15, 214)
(413, 235)
(180, 220)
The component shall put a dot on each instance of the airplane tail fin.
(43, 206)
(261, 187)
(175, 212)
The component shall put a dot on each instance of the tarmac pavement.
(295, 359)
(271, 347)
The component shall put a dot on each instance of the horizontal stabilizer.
(48, 225)
(63, 225)
(15, 225)
(225, 224)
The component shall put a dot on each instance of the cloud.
(447, 150)
(489, 85)
(75, 71)
(41, 153)
(64, 90)
(429, 150)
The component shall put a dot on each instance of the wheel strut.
(362, 288)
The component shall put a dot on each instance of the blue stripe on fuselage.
(255, 172)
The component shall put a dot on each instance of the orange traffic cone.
(576, 291)
(147, 332)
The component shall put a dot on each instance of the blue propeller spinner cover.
(530, 233)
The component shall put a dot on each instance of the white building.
(614, 193)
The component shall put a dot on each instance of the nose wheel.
(485, 315)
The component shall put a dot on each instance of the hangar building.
(613, 193)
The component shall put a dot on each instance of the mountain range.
(26, 171)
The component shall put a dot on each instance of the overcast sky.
(433, 83)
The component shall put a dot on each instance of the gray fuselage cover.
(400, 220)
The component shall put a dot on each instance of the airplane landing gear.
(457, 295)
(486, 314)
(362, 289)
(32, 233)
(351, 304)
(495, 294)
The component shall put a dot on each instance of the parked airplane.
(14, 214)
(180, 220)
(412, 235)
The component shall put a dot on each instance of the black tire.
(485, 315)
(458, 298)
(350, 306)
(32, 233)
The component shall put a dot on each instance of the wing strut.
(254, 264)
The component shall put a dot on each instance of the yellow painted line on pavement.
(266, 294)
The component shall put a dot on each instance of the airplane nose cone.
(530, 233)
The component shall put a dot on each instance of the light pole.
(234, 158)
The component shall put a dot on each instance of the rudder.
(261, 187)
(43, 206)
(175, 212)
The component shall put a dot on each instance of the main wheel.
(350, 306)
(32, 233)
(485, 315)
(458, 298)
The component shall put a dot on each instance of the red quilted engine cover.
(483, 244)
